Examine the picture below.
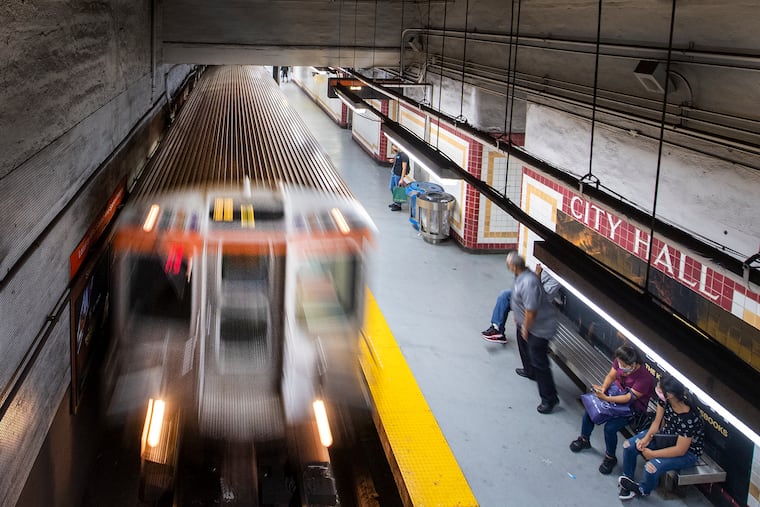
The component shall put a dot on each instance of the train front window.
(159, 292)
(245, 268)
(243, 338)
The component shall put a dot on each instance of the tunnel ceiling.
(575, 55)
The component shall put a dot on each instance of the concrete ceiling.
(576, 55)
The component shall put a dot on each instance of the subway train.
(240, 267)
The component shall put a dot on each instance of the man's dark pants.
(535, 359)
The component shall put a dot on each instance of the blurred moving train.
(239, 289)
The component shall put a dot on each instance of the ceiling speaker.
(651, 75)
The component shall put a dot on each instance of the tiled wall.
(704, 283)
(476, 222)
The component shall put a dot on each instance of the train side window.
(157, 293)
(326, 289)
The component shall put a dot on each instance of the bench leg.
(669, 486)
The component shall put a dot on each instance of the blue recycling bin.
(412, 190)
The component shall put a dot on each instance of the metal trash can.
(412, 190)
(433, 212)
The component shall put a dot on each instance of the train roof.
(237, 124)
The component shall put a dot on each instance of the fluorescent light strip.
(350, 103)
(357, 107)
(703, 396)
(410, 154)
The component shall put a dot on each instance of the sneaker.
(628, 494)
(629, 484)
(607, 465)
(495, 339)
(395, 207)
(492, 331)
(579, 444)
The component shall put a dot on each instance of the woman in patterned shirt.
(676, 417)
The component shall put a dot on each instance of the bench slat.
(588, 365)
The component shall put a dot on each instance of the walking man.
(536, 319)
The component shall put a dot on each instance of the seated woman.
(674, 417)
(628, 371)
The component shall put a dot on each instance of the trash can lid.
(425, 186)
(436, 197)
(429, 186)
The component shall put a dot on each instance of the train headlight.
(154, 421)
(323, 425)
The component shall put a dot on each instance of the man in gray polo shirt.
(536, 319)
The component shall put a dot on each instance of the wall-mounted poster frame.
(90, 268)
(89, 303)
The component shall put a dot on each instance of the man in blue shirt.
(400, 169)
(536, 319)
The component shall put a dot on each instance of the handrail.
(13, 385)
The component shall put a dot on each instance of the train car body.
(240, 276)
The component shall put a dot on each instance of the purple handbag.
(602, 411)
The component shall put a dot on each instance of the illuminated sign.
(96, 230)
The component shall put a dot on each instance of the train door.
(239, 396)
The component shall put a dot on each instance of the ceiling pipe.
(633, 51)
(664, 229)
(746, 148)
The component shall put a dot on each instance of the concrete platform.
(436, 300)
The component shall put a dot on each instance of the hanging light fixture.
(350, 99)
(421, 152)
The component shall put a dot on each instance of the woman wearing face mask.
(632, 377)
(674, 417)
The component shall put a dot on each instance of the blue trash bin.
(412, 190)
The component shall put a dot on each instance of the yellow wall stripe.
(427, 473)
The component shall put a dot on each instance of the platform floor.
(436, 300)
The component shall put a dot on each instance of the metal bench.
(582, 362)
(587, 365)
(706, 471)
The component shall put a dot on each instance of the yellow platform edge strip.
(427, 473)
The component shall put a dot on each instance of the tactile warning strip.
(426, 472)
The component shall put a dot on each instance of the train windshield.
(160, 288)
(244, 312)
